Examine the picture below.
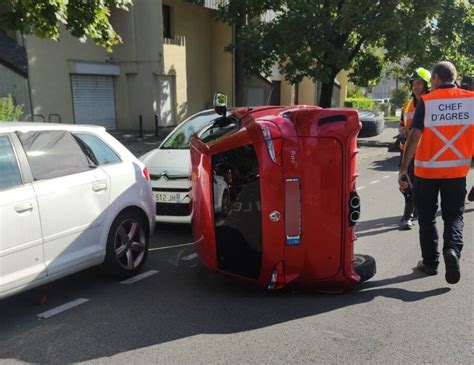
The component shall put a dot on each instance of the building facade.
(170, 62)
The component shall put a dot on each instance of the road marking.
(139, 277)
(395, 172)
(166, 247)
(189, 257)
(386, 177)
(361, 187)
(62, 308)
(374, 182)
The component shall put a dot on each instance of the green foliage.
(82, 18)
(359, 103)
(367, 70)
(447, 35)
(399, 96)
(8, 110)
(392, 119)
(354, 91)
(317, 39)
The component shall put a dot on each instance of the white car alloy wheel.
(130, 244)
(127, 245)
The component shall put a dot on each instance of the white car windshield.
(180, 138)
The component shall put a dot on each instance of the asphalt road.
(181, 314)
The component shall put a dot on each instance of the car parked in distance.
(372, 123)
(71, 197)
(170, 172)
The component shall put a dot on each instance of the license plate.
(168, 197)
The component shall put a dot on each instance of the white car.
(71, 197)
(170, 171)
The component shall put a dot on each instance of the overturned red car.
(292, 206)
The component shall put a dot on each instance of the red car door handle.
(22, 208)
(99, 187)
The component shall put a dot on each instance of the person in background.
(419, 85)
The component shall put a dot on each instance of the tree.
(397, 72)
(448, 35)
(399, 96)
(319, 38)
(82, 18)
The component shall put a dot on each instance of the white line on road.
(386, 177)
(361, 187)
(174, 246)
(139, 277)
(189, 257)
(62, 308)
(374, 182)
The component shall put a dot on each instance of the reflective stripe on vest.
(453, 163)
(408, 112)
(445, 148)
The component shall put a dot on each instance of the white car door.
(73, 196)
(21, 243)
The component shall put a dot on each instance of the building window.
(166, 21)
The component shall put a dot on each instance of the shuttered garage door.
(94, 100)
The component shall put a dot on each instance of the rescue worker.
(441, 141)
(419, 85)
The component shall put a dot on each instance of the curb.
(373, 144)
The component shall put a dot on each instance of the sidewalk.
(138, 146)
(368, 147)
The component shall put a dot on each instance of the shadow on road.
(175, 304)
(377, 226)
(386, 164)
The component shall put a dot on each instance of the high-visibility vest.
(408, 112)
(445, 147)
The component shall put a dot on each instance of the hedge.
(359, 103)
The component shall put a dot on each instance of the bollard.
(156, 125)
(140, 126)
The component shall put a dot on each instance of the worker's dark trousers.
(453, 193)
(409, 210)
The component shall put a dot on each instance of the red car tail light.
(272, 138)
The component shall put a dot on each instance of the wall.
(139, 57)
(222, 70)
(308, 90)
(188, 56)
(49, 72)
(196, 55)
